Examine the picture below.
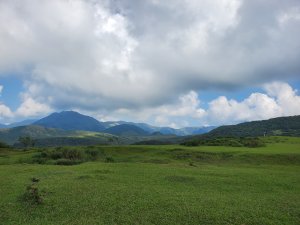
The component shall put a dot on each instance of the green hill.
(126, 130)
(283, 126)
(11, 135)
(47, 137)
(54, 137)
(247, 134)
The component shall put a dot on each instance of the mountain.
(285, 126)
(52, 137)
(44, 136)
(70, 120)
(21, 123)
(144, 126)
(126, 130)
(164, 130)
(11, 135)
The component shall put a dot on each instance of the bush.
(92, 154)
(251, 142)
(72, 154)
(69, 156)
(32, 194)
(67, 162)
(191, 143)
(59, 156)
(3, 145)
(109, 159)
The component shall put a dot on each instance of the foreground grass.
(159, 185)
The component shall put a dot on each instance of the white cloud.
(286, 98)
(187, 106)
(5, 111)
(256, 107)
(28, 108)
(279, 99)
(31, 108)
(100, 54)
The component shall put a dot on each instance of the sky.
(168, 63)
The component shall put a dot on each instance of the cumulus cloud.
(278, 99)
(31, 108)
(108, 54)
(285, 96)
(5, 111)
(256, 107)
(123, 56)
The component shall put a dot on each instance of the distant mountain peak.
(71, 120)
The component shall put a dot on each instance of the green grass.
(158, 185)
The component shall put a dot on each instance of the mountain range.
(72, 128)
(70, 120)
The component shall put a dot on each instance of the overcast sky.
(170, 63)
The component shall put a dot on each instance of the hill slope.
(164, 130)
(126, 130)
(69, 120)
(44, 136)
(11, 135)
(284, 126)
(21, 123)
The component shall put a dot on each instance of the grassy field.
(157, 185)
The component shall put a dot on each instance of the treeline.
(281, 126)
(251, 142)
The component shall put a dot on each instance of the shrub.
(67, 162)
(191, 143)
(32, 194)
(3, 145)
(72, 154)
(253, 143)
(192, 164)
(59, 157)
(93, 154)
(109, 159)
(227, 141)
(26, 141)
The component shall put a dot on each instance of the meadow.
(166, 184)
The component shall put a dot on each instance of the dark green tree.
(27, 141)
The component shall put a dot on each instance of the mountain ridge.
(71, 120)
(279, 126)
(126, 130)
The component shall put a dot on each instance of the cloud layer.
(128, 55)
(278, 99)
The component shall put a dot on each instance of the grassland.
(157, 185)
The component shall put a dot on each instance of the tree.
(27, 141)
